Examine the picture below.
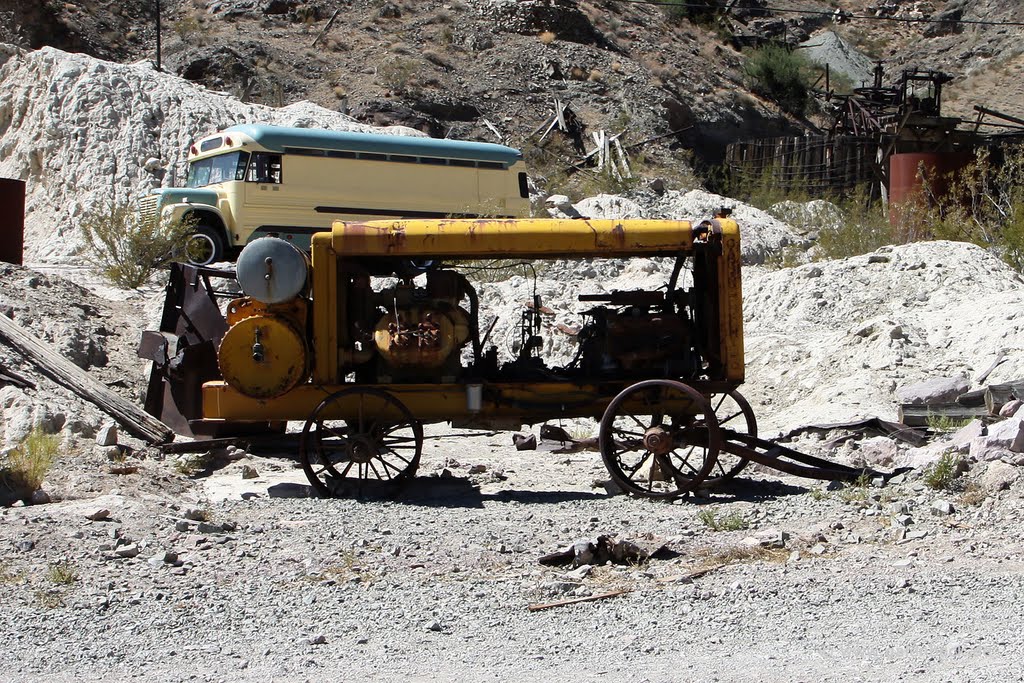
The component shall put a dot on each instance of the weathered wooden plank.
(972, 398)
(1000, 357)
(134, 420)
(918, 416)
(326, 28)
(998, 395)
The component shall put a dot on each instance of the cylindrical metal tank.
(906, 184)
(12, 220)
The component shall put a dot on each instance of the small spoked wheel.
(659, 439)
(733, 414)
(360, 441)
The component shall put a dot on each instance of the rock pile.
(833, 340)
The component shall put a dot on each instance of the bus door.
(492, 185)
(263, 180)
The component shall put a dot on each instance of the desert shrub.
(603, 181)
(676, 10)
(191, 30)
(128, 246)
(780, 75)
(865, 227)
(397, 74)
(28, 464)
(942, 474)
(984, 205)
(945, 423)
(548, 163)
(858, 225)
(701, 13)
(762, 190)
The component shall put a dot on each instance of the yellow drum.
(263, 357)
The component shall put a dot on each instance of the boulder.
(107, 435)
(609, 206)
(1010, 408)
(961, 439)
(559, 206)
(998, 476)
(1008, 434)
(879, 450)
(982, 450)
(923, 456)
(933, 391)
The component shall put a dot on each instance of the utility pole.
(158, 66)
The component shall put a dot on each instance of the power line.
(845, 15)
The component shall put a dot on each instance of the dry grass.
(717, 521)
(9, 577)
(28, 464)
(63, 573)
(973, 495)
(49, 599)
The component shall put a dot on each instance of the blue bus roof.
(276, 138)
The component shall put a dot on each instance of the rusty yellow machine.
(378, 331)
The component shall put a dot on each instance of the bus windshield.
(218, 169)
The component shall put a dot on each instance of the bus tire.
(204, 246)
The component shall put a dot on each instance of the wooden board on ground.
(135, 421)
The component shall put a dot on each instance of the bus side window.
(265, 168)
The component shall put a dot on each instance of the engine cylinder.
(421, 337)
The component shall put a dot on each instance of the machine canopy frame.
(515, 238)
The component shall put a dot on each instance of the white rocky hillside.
(834, 340)
(81, 132)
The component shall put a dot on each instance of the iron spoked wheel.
(654, 448)
(733, 413)
(364, 453)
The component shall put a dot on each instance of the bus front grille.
(148, 207)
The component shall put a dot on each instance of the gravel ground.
(436, 585)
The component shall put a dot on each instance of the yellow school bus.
(251, 181)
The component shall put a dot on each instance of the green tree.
(780, 75)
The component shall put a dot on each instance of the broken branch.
(573, 601)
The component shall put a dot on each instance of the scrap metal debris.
(524, 442)
(10, 377)
(605, 549)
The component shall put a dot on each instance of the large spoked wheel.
(364, 453)
(733, 414)
(659, 439)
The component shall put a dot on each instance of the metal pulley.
(272, 270)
